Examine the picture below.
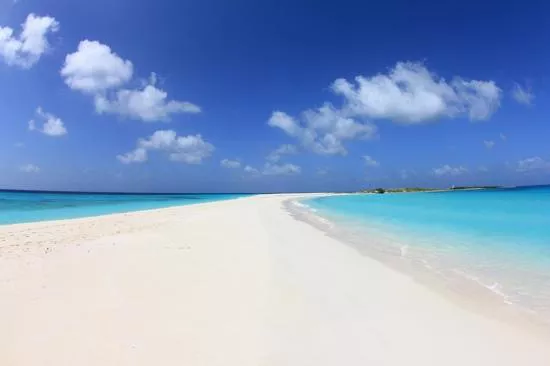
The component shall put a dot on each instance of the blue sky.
(209, 96)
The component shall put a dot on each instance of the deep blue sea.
(21, 206)
(498, 239)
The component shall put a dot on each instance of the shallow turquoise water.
(20, 206)
(499, 239)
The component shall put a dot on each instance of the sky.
(272, 96)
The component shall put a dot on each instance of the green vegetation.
(474, 187)
(397, 190)
(420, 189)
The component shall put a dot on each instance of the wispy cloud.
(535, 163)
(251, 170)
(447, 170)
(230, 164)
(281, 169)
(275, 169)
(489, 144)
(29, 168)
(276, 154)
(522, 95)
(370, 162)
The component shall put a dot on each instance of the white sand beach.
(237, 282)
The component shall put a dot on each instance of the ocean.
(497, 240)
(27, 206)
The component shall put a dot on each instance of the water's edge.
(119, 213)
(468, 295)
(67, 210)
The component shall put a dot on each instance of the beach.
(236, 282)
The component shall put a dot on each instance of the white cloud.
(275, 155)
(148, 104)
(26, 49)
(186, 149)
(230, 164)
(411, 94)
(94, 68)
(29, 168)
(503, 137)
(251, 170)
(322, 171)
(281, 169)
(449, 170)
(53, 126)
(323, 130)
(489, 144)
(408, 94)
(97, 70)
(522, 95)
(275, 169)
(370, 162)
(533, 163)
(139, 155)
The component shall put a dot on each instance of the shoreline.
(234, 282)
(470, 295)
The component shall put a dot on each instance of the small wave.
(495, 287)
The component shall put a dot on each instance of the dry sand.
(228, 283)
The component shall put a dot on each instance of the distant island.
(420, 189)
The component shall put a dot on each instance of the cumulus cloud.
(275, 155)
(489, 144)
(24, 50)
(411, 94)
(323, 130)
(95, 68)
(449, 170)
(408, 94)
(51, 126)
(148, 104)
(522, 95)
(370, 162)
(29, 168)
(186, 149)
(230, 164)
(533, 164)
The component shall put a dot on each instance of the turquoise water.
(20, 206)
(498, 239)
